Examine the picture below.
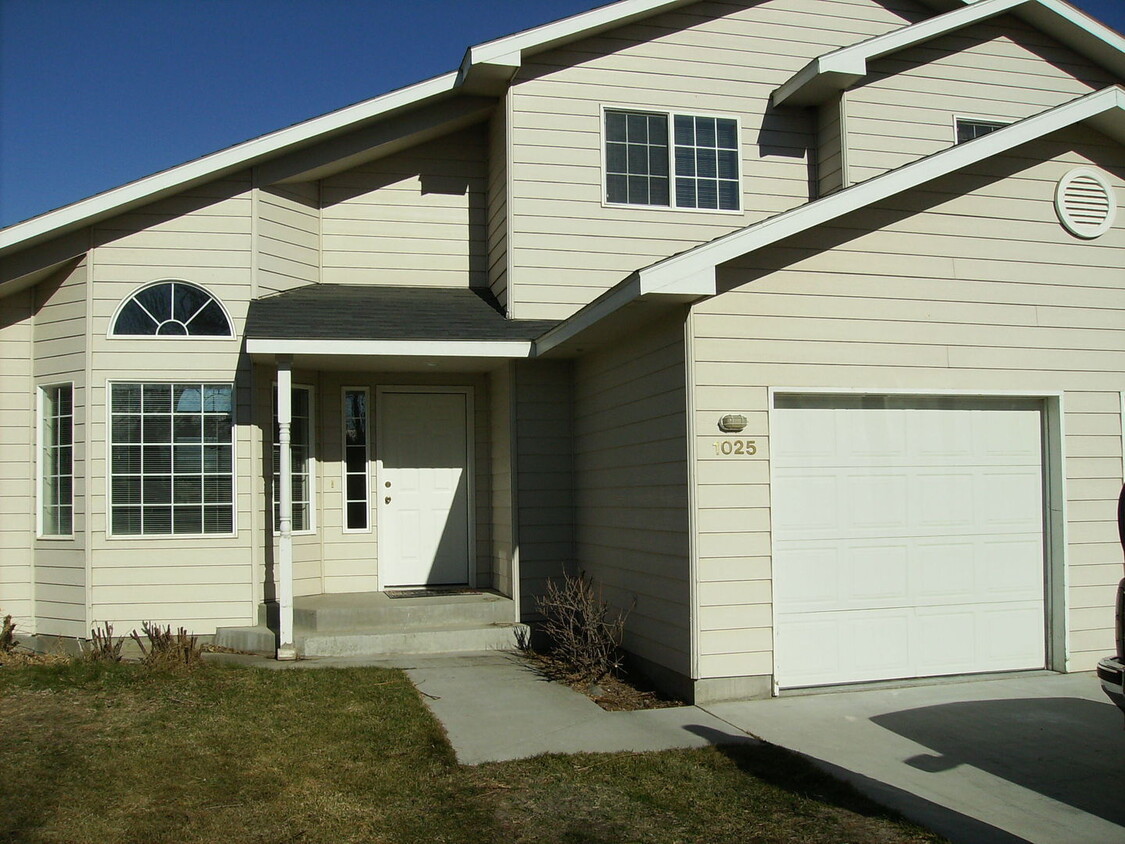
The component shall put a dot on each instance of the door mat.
(430, 593)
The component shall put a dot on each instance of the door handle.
(387, 500)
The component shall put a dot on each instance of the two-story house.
(798, 324)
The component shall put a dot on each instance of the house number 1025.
(745, 448)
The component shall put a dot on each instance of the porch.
(392, 420)
(415, 621)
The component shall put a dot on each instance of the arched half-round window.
(171, 309)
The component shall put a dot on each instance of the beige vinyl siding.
(17, 453)
(1000, 70)
(969, 284)
(502, 478)
(59, 350)
(709, 58)
(288, 252)
(418, 217)
(205, 237)
(542, 392)
(831, 167)
(631, 475)
(498, 189)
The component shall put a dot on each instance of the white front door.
(908, 539)
(423, 487)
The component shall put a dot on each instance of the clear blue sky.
(96, 93)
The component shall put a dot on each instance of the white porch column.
(286, 649)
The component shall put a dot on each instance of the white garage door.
(907, 538)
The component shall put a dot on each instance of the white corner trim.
(402, 348)
(211, 166)
(666, 274)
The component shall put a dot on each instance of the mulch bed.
(625, 692)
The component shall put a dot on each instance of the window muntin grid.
(300, 438)
(703, 158)
(56, 496)
(171, 309)
(357, 506)
(636, 158)
(706, 151)
(171, 459)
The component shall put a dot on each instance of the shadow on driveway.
(1068, 749)
(788, 770)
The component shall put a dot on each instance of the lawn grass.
(118, 753)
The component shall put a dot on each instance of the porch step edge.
(256, 640)
(445, 639)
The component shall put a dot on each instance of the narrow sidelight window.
(56, 461)
(300, 435)
(356, 477)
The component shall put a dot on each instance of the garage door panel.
(1014, 499)
(919, 551)
(945, 501)
(805, 501)
(876, 502)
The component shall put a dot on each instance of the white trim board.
(406, 348)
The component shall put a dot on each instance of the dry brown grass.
(115, 753)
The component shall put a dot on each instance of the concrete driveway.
(1031, 757)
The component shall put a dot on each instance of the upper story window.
(171, 309)
(672, 160)
(968, 128)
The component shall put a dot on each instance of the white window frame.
(112, 335)
(312, 462)
(958, 119)
(344, 473)
(40, 463)
(670, 114)
(158, 537)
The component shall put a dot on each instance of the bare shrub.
(585, 632)
(8, 639)
(167, 649)
(101, 647)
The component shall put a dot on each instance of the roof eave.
(833, 72)
(219, 164)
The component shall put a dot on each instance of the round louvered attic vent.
(1085, 202)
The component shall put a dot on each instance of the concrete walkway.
(1036, 758)
(495, 708)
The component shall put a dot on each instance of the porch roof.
(377, 312)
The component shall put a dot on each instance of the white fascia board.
(401, 348)
(181, 177)
(841, 68)
(512, 48)
(666, 274)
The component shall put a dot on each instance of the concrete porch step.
(446, 639)
(378, 611)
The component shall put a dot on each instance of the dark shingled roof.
(374, 312)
